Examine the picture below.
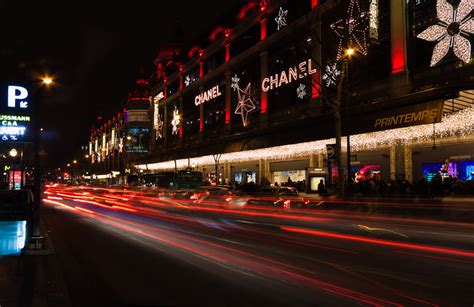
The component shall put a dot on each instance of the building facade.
(257, 102)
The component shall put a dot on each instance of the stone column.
(397, 165)
(408, 162)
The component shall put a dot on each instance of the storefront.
(455, 160)
(245, 173)
(283, 172)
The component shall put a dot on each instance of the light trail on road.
(313, 256)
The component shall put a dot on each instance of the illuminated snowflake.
(245, 103)
(330, 75)
(353, 30)
(188, 80)
(176, 121)
(301, 91)
(281, 18)
(235, 82)
(453, 26)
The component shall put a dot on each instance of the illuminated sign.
(210, 94)
(420, 114)
(17, 93)
(297, 72)
(15, 113)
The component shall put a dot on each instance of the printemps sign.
(15, 114)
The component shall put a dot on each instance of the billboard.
(16, 123)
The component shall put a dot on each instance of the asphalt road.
(134, 249)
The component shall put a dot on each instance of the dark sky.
(95, 50)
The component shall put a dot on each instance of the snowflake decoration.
(281, 18)
(353, 29)
(175, 122)
(330, 75)
(235, 82)
(245, 104)
(188, 80)
(453, 26)
(301, 91)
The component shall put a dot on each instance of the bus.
(183, 179)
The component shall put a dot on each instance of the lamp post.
(47, 82)
(342, 85)
(349, 53)
(13, 153)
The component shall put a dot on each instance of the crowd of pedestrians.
(438, 186)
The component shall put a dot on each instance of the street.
(121, 247)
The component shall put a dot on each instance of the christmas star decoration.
(330, 75)
(281, 18)
(452, 30)
(352, 30)
(235, 82)
(301, 91)
(175, 122)
(245, 104)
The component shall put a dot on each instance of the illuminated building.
(259, 91)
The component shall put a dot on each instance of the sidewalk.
(27, 280)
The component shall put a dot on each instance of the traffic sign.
(330, 151)
(16, 122)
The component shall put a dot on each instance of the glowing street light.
(75, 161)
(13, 153)
(350, 52)
(69, 165)
(47, 80)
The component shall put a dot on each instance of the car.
(215, 194)
(280, 197)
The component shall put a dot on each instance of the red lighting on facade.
(201, 69)
(315, 86)
(227, 52)
(263, 29)
(314, 3)
(165, 91)
(193, 51)
(227, 114)
(245, 9)
(263, 103)
(398, 60)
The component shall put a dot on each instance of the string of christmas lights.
(460, 124)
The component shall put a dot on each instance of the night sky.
(95, 50)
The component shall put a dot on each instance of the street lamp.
(46, 80)
(342, 87)
(349, 52)
(36, 238)
(13, 153)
